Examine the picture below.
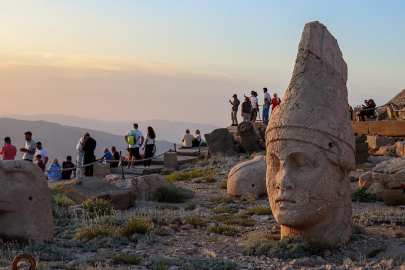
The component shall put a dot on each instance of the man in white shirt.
(187, 139)
(254, 102)
(266, 95)
(135, 139)
(41, 151)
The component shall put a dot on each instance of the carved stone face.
(303, 185)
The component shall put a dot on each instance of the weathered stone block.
(360, 138)
(386, 151)
(170, 160)
(392, 196)
(143, 187)
(101, 170)
(360, 127)
(220, 141)
(248, 177)
(387, 128)
(376, 188)
(400, 148)
(375, 142)
(361, 158)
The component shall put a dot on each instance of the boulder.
(101, 170)
(387, 151)
(143, 187)
(25, 202)
(375, 142)
(84, 188)
(220, 141)
(375, 188)
(248, 177)
(248, 137)
(400, 148)
(366, 180)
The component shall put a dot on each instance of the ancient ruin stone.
(248, 177)
(248, 137)
(366, 180)
(170, 161)
(400, 149)
(375, 142)
(386, 151)
(387, 181)
(220, 141)
(144, 187)
(85, 188)
(25, 202)
(101, 170)
(311, 146)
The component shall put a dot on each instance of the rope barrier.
(100, 161)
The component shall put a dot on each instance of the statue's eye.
(302, 161)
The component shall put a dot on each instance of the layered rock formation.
(248, 177)
(25, 202)
(310, 145)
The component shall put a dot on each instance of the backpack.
(131, 137)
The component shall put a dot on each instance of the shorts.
(133, 152)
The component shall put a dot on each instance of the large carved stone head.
(25, 202)
(310, 145)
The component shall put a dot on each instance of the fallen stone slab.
(143, 187)
(375, 142)
(84, 188)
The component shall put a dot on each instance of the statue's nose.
(284, 181)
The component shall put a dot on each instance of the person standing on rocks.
(30, 147)
(135, 139)
(266, 109)
(253, 102)
(89, 145)
(8, 150)
(246, 110)
(266, 95)
(234, 112)
(41, 151)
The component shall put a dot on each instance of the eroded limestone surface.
(311, 146)
(25, 202)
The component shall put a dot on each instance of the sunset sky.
(182, 60)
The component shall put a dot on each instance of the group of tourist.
(34, 152)
(250, 107)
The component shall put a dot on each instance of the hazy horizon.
(182, 61)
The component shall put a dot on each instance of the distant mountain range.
(60, 141)
(165, 130)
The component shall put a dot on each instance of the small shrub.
(357, 229)
(395, 217)
(162, 232)
(98, 206)
(172, 194)
(360, 195)
(92, 230)
(224, 209)
(124, 258)
(197, 221)
(224, 185)
(191, 206)
(63, 200)
(225, 230)
(188, 175)
(286, 248)
(375, 252)
(259, 210)
(250, 198)
(168, 206)
(141, 225)
(195, 264)
(220, 200)
(234, 220)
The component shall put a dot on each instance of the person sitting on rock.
(116, 156)
(67, 165)
(54, 173)
(367, 110)
(38, 162)
(107, 156)
(187, 139)
(197, 140)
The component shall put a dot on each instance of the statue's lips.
(284, 203)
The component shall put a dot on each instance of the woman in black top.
(149, 146)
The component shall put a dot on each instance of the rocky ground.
(209, 231)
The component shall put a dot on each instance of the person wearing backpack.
(135, 139)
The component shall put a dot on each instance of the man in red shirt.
(8, 150)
